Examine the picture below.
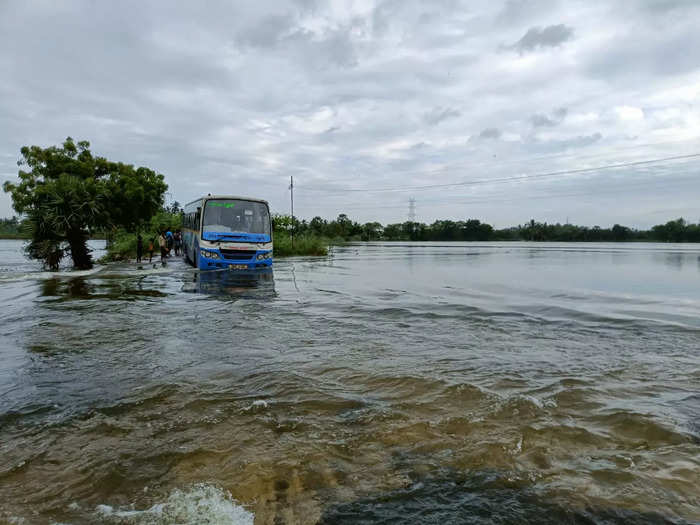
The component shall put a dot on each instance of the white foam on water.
(42, 275)
(200, 504)
(109, 270)
(257, 406)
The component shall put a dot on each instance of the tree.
(621, 233)
(282, 222)
(318, 226)
(343, 226)
(67, 194)
(174, 208)
(371, 231)
(393, 232)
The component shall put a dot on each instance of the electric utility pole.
(291, 196)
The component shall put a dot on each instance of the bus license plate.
(238, 266)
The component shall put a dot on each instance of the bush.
(303, 245)
(121, 245)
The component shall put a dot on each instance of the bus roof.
(232, 197)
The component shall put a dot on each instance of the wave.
(200, 504)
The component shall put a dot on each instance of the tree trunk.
(79, 252)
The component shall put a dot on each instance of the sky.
(501, 111)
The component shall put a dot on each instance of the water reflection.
(675, 260)
(76, 288)
(97, 288)
(253, 284)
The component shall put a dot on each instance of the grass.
(303, 245)
(124, 246)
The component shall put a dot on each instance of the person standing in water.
(139, 248)
(163, 243)
(169, 239)
(150, 250)
(178, 242)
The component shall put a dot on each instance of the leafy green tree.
(282, 223)
(393, 232)
(621, 233)
(342, 226)
(318, 226)
(175, 207)
(371, 231)
(67, 194)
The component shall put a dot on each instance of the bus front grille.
(238, 255)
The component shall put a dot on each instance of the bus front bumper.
(206, 263)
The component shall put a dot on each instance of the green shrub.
(303, 245)
(123, 245)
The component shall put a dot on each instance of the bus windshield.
(236, 216)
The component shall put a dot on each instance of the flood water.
(386, 383)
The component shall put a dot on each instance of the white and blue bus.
(223, 231)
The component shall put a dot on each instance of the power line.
(285, 171)
(510, 179)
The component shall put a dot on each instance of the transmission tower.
(412, 209)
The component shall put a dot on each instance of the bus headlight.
(266, 255)
(210, 255)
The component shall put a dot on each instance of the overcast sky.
(234, 97)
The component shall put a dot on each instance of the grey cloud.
(244, 94)
(283, 35)
(516, 11)
(541, 120)
(632, 59)
(267, 33)
(663, 6)
(340, 49)
(307, 5)
(438, 114)
(490, 133)
(550, 36)
(580, 141)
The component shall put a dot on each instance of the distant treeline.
(11, 228)
(343, 228)
(474, 230)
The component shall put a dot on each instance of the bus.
(224, 231)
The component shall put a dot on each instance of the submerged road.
(408, 382)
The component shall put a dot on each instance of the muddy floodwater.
(386, 383)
